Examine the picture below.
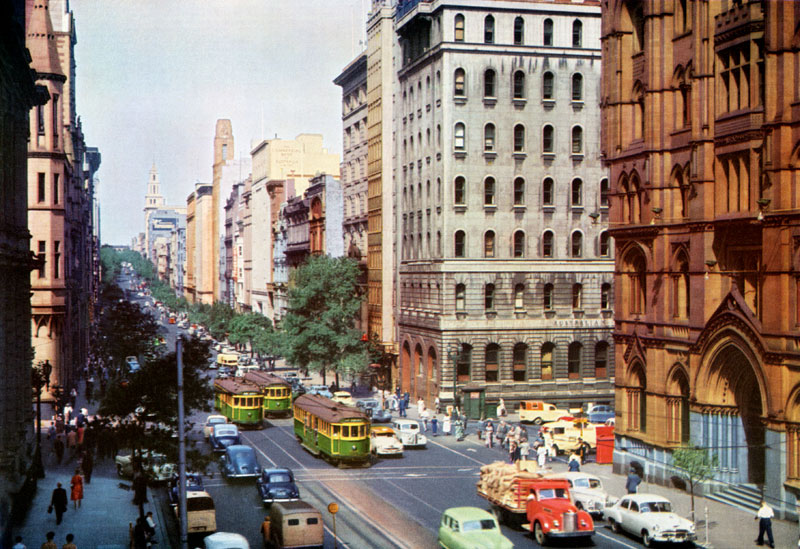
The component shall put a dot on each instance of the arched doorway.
(417, 378)
(405, 368)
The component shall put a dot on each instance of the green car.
(469, 528)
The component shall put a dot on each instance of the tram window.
(312, 520)
(236, 401)
(362, 431)
(336, 430)
(293, 522)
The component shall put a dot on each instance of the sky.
(153, 77)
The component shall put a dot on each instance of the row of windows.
(518, 85)
(490, 296)
(548, 142)
(41, 188)
(42, 257)
(518, 32)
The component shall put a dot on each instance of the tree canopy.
(124, 329)
(695, 465)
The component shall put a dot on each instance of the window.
(547, 192)
(519, 244)
(488, 191)
(489, 78)
(519, 31)
(519, 191)
(548, 142)
(56, 190)
(488, 244)
(637, 403)
(459, 140)
(488, 138)
(519, 297)
(492, 360)
(40, 195)
(40, 119)
(488, 297)
(600, 359)
(55, 119)
(577, 244)
(577, 192)
(459, 190)
(41, 257)
(635, 282)
(461, 293)
(577, 34)
(605, 296)
(519, 138)
(574, 360)
(680, 289)
(577, 140)
(547, 38)
(547, 86)
(605, 247)
(547, 244)
(458, 29)
(577, 87)
(519, 85)
(547, 300)
(488, 30)
(577, 296)
(57, 259)
(464, 364)
(458, 244)
(459, 88)
(547, 360)
(520, 363)
(604, 193)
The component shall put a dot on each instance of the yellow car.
(344, 398)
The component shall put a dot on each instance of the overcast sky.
(153, 76)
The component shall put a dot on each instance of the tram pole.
(181, 449)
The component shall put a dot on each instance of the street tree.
(318, 332)
(695, 465)
(124, 329)
(249, 329)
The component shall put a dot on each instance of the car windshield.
(369, 404)
(279, 477)
(472, 525)
(226, 432)
(216, 420)
(553, 493)
(586, 483)
(656, 507)
(409, 426)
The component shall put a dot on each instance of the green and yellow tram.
(242, 402)
(332, 430)
(277, 392)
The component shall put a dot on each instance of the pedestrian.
(76, 483)
(58, 447)
(150, 528)
(58, 502)
(513, 451)
(139, 535)
(426, 414)
(502, 433)
(79, 434)
(69, 544)
(402, 404)
(632, 484)
(89, 387)
(73, 396)
(87, 464)
(265, 526)
(434, 426)
(501, 409)
(446, 425)
(574, 463)
(72, 438)
(420, 406)
(524, 449)
(764, 517)
(437, 406)
(583, 449)
(139, 487)
(50, 544)
(550, 444)
(489, 433)
(67, 413)
(18, 543)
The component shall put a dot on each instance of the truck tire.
(539, 535)
(538, 421)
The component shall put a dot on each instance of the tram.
(241, 401)
(332, 430)
(277, 393)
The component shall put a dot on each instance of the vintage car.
(239, 461)
(407, 431)
(277, 485)
(225, 540)
(133, 364)
(214, 419)
(566, 432)
(649, 516)
(551, 513)
(224, 435)
(600, 413)
(384, 442)
(201, 514)
(194, 483)
(155, 466)
(372, 407)
(343, 397)
(320, 390)
(540, 412)
(469, 527)
(587, 491)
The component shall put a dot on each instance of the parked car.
(540, 412)
(224, 435)
(372, 407)
(320, 390)
(649, 516)
(384, 442)
(239, 461)
(277, 485)
(201, 515)
(194, 483)
(409, 433)
(600, 413)
(225, 540)
(224, 372)
(154, 465)
(214, 419)
(343, 397)
(587, 491)
(133, 364)
(297, 388)
(469, 527)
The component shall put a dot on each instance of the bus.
(277, 392)
(240, 401)
(331, 430)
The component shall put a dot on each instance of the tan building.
(200, 245)
(223, 154)
(701, 130)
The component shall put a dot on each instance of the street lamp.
(40, 377)
(454, 354)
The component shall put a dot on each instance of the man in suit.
(58, 502)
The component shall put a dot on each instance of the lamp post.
(40, 377)
(454, 353)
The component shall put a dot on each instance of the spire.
(41, 40)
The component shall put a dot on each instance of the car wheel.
(538, 421)
(647, 541)
(615, 526)
(556, 451)
(538, 534)
(119, 470)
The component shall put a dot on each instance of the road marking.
(610, 538)
(457, 453)
(471, 450)
(438, 511)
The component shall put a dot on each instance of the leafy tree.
(318, 331)
(695, 465)
(124, 329)
(248, 329)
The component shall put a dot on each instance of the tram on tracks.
(277, 393)
(332, 430)
(241, 401)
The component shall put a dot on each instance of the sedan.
(239, 461)
(224, 435)
(468, 527)
(194, 483)
(155, 466)
(649, 516)
(372, 407)
(277, 485)
(320, 390)
(600, 413)
(208, 426)
(343, 397)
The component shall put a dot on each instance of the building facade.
(505, 267)
(325, 221)
(200, 245)
(701, 133)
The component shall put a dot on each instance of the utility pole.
(181, 449)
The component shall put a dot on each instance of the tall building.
(325, 227)
(223, 154)
(200, 244)
(505, 268)
(701, 131)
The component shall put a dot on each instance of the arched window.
(458, 28)
(548, 140)
(459, 137)
(574, 360)
(519, 85)
(492, 363)
(577, 192)
(547, 297)
(577, 140)
(461, 297)
(459, 86)
(519, 244)
(488, 297)
(519, 138)
(547, 191)
(519, 297)
(604, 193)
(488, 191)
(547, 360)
(547, 244)
(605, 244)
(459, 244)
(680, 288)
(519, 191)
(432, 365)
(577, 87)
(488, 137)
(634, 201)
(577, 34)
(678, 425)
(548, 84)
(547, 32)
(635, 282)
(577, 297)
(637, 399)
(438, 244)
(605, 296)
(519, 31)
(577, 244)
(488, 30)
(418, 359)
(600, 359)
(489, 78)
(520, 362)
(464, 364)
(459, 191)
(488, 244)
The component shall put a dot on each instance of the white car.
(408, 432)
(208, 426)
(649, 516)
(383, 441)
(587, 491)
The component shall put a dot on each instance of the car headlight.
(555, 523)
(656, 528)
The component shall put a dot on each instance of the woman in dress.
(76, 483)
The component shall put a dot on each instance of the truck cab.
(551, 513)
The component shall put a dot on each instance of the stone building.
(227, 268)
(505, 266)
(280, 269)
(200, 245)
(325, 217)
(701, 132)
(297, 232)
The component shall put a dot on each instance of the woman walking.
(76, 483)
